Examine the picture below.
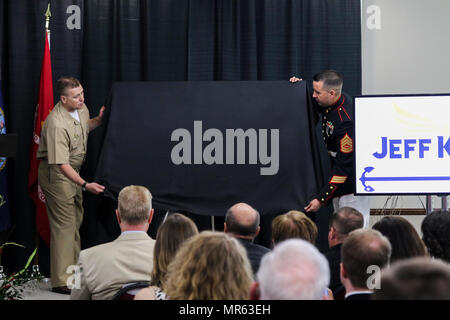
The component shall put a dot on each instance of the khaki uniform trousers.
(64, 203)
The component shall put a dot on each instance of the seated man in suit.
(242, 222)
(106, 268)
(364, 253)
(342, 222)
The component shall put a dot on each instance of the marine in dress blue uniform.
(337, 130)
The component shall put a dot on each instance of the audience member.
(242, 222)
(294, 224)
(209, 266)
(171, 234)
(106, 268)
(342, 222)
(293, 270)
(364, 252)
(419, 278)
(404, 239)
(436, 234)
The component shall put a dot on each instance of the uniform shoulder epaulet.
(343, 114)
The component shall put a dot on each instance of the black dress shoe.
(61, 290)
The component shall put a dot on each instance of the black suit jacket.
(255, 252)
(334, 259)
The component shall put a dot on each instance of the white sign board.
(402, 144)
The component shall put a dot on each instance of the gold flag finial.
(48, 14)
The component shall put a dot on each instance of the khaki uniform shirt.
(64, 139)
(106, 268)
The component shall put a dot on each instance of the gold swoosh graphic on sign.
(417, 123)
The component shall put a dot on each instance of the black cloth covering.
(143, 115)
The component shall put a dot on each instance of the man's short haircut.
(420, 278)
(331, 79)
(345, 220)
(134, 204)
(361, 249)
(293, 270)
(293, 224)
(65, 83)
(235, 227)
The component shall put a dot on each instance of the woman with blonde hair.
(210, 266)
(293, 224)
(171, 234)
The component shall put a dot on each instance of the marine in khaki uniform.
(62, 151)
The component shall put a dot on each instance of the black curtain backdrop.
(104, 41)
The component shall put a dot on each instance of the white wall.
(405, 50)
(406, 47)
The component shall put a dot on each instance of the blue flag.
(5, 218)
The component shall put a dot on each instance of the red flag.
(44, 107)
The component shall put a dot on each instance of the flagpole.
(48, 14)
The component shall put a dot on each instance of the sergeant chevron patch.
(346, 144)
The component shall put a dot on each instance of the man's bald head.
(242, 219)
